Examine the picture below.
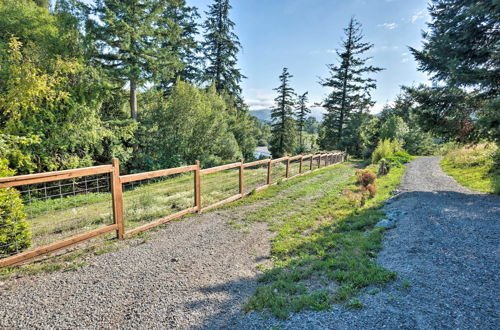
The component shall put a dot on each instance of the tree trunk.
(133, 99)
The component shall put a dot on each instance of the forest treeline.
(143, 81)
(152, 84)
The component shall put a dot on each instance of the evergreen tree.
(461, 45)
(283, 123)
(351, 88)
(131, 38)
(221, 47)
(460, 51)
(302, 112)
(180, 20)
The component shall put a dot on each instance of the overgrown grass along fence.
(64, 208)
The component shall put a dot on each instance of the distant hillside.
(265, 114)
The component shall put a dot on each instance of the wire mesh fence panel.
(152, 199)
(294, 167)
(38, 214)
(315, 163)
(218, 186)
(279, 171)
(255, 177)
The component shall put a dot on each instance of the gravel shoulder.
(197, 273)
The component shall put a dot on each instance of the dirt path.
(446, 251)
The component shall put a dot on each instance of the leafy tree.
(220, 48)
(131, 42)
(187, 125)
(351, 88)
(283, 123)
(394, 128)
(302, 111)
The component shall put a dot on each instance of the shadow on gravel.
(229, 311)
(445, 244)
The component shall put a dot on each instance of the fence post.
(311, 163)
(319, 161)
(287, 172)
(197, 187)
(242, 179)
(300, 164)
(117, 195)
(269, 171)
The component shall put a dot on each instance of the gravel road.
(196, 273)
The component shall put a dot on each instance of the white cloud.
(259, 99)
(389, 26)
(419, 15)
(405, 57)
(331, 51)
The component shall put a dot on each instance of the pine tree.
(461, 44)
(180, 20)
(302, 111)
(221, 47)
(351, 87)
(130, 38)
(283, 123)
(460, 51)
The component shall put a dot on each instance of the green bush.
(15, 234)
(385, 149)
(398, 158)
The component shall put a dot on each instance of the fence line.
(116, 186)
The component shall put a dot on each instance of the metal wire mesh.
(52, 211)
(152, 199)
(255, 177)
(218, 186)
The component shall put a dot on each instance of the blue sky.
(303, 34)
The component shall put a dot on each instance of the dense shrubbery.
(15, 234)
(385, 148)
(398, 158)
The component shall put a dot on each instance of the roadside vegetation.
(325, 245)
(477, 167)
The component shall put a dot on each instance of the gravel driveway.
(197, 272)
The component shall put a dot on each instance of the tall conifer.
(221, 47)
(283, 123)
(351, 87)
(302, 112)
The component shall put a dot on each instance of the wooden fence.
(306, 165)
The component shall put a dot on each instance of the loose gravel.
(197, 273)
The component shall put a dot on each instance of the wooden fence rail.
(118, 180)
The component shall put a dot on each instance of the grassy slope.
(473, 167)
(324, 248)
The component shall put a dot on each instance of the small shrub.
(15, 234)
(365, 177)
(385, 148)
(372, 190)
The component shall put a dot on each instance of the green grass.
(474, 167)
(324, 249)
